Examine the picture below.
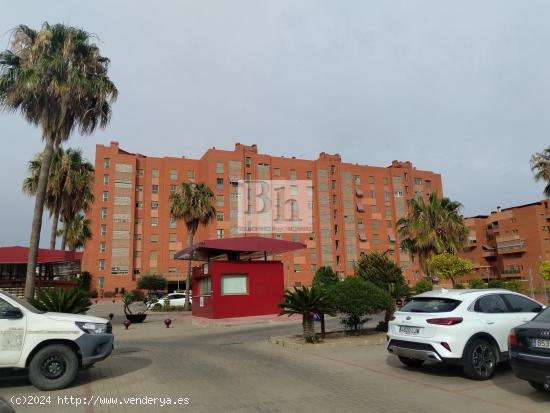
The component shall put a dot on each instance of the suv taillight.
(446, 321)
(512, 338)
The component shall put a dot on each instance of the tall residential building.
(355, 209)
(510, 243)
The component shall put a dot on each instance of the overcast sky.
(458, 87)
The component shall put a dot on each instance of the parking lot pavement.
(235, 369)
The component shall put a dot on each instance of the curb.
(290, 342)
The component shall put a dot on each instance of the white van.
(51, 346)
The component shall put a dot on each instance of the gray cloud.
(458, 87)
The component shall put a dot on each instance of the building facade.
(510, 243)
(355, 209)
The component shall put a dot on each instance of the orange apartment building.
(355, 209)
(510, 243)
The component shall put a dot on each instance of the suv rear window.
(430, 305)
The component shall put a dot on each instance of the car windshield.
(23, 303)
(430, 305)
(544, 315)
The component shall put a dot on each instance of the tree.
(307, 302)
(540, 165)
(194, 204)
(544, 270)
(423, 286)
(78, 232)
(151, 282)
(57, 80)
(323, 280)
(450, 267)
(356, 299)
(84, 281)
(431, 228)
(58, 300)
(384, 273)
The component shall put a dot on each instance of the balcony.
(516, 246)
(489, 254)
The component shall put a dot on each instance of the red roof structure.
(237, 248)
(20, 255)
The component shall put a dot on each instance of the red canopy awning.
(237, 248)
(19, 255)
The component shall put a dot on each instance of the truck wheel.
(53, 367)
(480, 360)
(411, 362)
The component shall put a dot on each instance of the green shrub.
(84, 281)
(152, 282)
(422, 286)
(58, 300)
(356, 299)
(459, 286)
(514, 285)
(92, 294)
(495, 284)
(139, 295)
(476, 283)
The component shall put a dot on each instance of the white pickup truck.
(51, 346)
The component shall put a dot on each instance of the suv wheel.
(480, 360)
(411, 362)
(53, 367)
(539, 386)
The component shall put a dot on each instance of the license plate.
(411, 331)
(540, 343)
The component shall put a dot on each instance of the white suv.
(465, 327)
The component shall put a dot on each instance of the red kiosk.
(237, 280)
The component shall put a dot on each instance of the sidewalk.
(242, 321)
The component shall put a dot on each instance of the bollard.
(126, 323)
(167, 322)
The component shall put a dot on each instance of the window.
(154, 238)
(492, 303)
(220, 233)
(374, 224)
(418, 181)
(397, 180)
(293, 174)
(376, 240)
(137, 237)
(154, 204)
(219, 167)
(385, 181)
(106, 179)
(152, 255)
(247, 161)
(297, 268)
(154, 221)
(101, 282)
(101, 264)
(313, 267)
(360, 224)
(333, 169)
(430, 305)
(173, 187)
(173, 223)
(398, 194)
(333, 184)
(173, 174)
(155, 189)
(105, 196)
(519, 304)
(172, 237)
(219, 216)
(103, 229)
(357, 180)
(371, 179)
(372, 194)
(428, 183)
(171, 254)
(388, 212)
(333, 199)
(277, 172)
(309, 174)
(219, 183)
(171, 269)
(190, 174)
(103, 213)
(155, 173)
(386, 196)
(106, 163)
(205, 286)
(248, 177)
(219, 201)
(102, 246)
(139, 188)
(234, 284)
(139, 204)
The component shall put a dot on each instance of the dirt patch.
(367, 337)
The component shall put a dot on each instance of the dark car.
(529, 346)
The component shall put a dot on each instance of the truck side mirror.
(11, 313)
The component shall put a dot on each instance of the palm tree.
(540, 165)
(69, 187)
(431, 228)
(56, 79)
(194, 204)
(307, 302)
(78, 232)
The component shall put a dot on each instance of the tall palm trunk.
(187, 305)
(308, 327)
(53, 235)
(64, 238)
(37, 217)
